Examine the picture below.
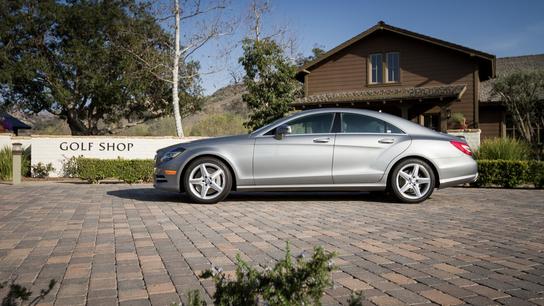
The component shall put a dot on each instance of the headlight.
(171, 155)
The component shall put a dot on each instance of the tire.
(409, 187)
(210, 188)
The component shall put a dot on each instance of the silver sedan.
(330, 149)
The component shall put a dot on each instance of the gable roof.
(486, 60)
(11, 123)
(507, 66)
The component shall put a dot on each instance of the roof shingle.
(509, 65)
(385, 93)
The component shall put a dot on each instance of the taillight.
(463, 147)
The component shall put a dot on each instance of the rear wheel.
(412, 181)
(207, 180)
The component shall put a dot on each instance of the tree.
(198, 24)
(269, 73)
(317, 51)
(522, 93)
(69, 58)
(270, 81)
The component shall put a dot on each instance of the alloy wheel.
(413, 181)
(207, 181)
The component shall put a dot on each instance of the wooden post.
(421, 119)
(503, 124)
(443, 119)
(404, 111)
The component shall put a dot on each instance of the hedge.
(510, 173)
(130, 171)
(504, 173)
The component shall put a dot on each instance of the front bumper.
(163, 181)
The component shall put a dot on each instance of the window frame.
(387, 81)
(287, 122)
(384, 63)
(340, 130)
(370, 68)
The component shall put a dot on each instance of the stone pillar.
(17, 152)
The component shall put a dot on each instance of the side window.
(355, 123)
(319, 123)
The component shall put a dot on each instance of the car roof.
(407, 126)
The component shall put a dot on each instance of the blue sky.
(503, 28)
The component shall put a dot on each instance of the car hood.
(204, 142)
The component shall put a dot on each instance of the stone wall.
(57, 149)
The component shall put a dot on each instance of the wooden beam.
(476, 97)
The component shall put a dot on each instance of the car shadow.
(154, 195)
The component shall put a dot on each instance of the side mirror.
(282, 130)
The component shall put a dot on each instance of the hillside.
(223, 113)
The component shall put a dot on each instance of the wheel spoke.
(405, 187)
(424, 180)
(204, 171)
(196, 181)
(417, 191)
(415, 172)
(216, 187)
(217, 173)
(204, 191)
(404, 175)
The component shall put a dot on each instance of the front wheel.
(207, 180)
(412, 181)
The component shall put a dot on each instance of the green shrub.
(504, 173)
(69, 167)
(6, 163)
(504, 149)
(536, 173)
(457, 121)
(130, 171)
(41, 170)
(289, 282)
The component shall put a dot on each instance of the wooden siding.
(490, 121)
(421, 64)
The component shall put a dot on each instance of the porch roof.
(453, 91)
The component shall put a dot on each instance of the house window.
(376, 69)
(392, 67)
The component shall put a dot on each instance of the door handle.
(386, 140)
(322, 140)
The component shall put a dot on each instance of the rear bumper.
(457, 170)
(458, 180)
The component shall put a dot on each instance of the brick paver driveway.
(131, 244)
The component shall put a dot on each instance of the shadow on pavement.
(154, 195)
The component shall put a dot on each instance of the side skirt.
(324, 187)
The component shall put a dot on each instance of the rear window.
(356, 123)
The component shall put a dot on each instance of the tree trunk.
(77, 127)
(175, 73)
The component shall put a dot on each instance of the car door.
(364, 148)
(303, 157)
